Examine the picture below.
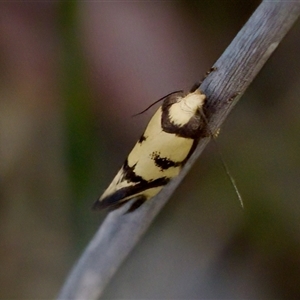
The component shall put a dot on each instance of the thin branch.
(236, 69)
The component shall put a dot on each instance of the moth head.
(186, 107)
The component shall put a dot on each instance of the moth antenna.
(229, 176)
(198, 83)
(161, 99)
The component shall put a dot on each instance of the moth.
(167, 143)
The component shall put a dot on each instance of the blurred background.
(72, 74)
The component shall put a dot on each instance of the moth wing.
(130, 182)
(122, 189)
(155, 159)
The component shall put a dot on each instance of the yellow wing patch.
(167, 143)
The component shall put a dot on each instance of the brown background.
(71, 77)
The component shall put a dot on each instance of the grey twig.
(235, 70)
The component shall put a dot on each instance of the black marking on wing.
(163, 163)
(115, 200)
(142, 139)
(139, 185)
(195, 128)
(130, 175)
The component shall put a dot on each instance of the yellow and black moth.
(167, 143)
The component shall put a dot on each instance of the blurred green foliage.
(82, 149)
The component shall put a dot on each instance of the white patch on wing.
(181, 112)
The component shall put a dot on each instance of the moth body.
(168, 141)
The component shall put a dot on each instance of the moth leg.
(136, 204)
(233, 97)
(212, 69)
(198, 83)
